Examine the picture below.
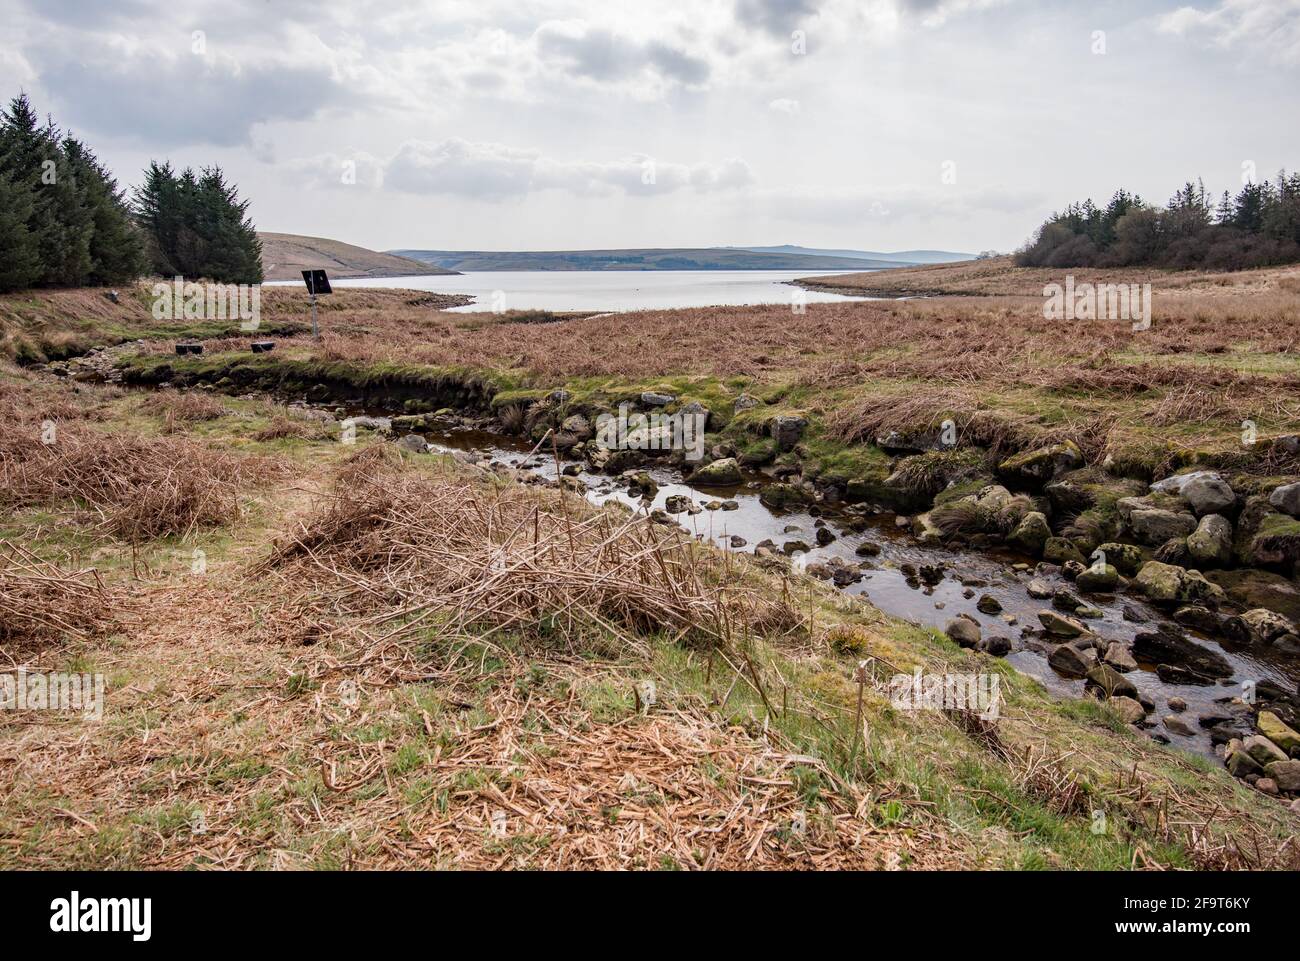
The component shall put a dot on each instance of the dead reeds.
(40, 601)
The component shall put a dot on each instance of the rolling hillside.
(284, 256)
(641, 258)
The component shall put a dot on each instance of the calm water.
(610, 289)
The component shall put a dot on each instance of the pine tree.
(20, 264)
(116, 253)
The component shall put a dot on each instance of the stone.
(1058, 550)
(1177, 725)
(1059, 625)
(1036, 467)
(1286, 499)
(1209, 495)
(1177, 705)
(795, 547)
(1111, 682)
(988, 604)
(1039, 590)
(1031, 534)
(1133, 615)
(1250, 589)
(1129, 710)
(1070, 661)
(731, 505)
(824, 536)
(745, 402)
(867, 549)
(1210, 545)
(696, 409)
(963, 631)
(1263, 627)
(414, 443)
(1267, 785)
(676, 503)
(1166, 583)
(1200, 619)
(724, 472)
(1118, 657)
(1240, 764)
(787, 430)
(1156, 525)
(1098, 579)
(1177, 483)
(1272, 727)
(738, 541)
(1286, 774)
(655, 399)
(1262, 750)
(1063, 600)
(995, 646)
(1168, 647)
(1177, 674)
(578, 426)
(784, 496)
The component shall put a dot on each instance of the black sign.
(317, 282)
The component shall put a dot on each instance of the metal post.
(315, 328)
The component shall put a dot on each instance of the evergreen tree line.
(64, 222)
(1258, 227)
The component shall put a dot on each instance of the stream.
(968, 575)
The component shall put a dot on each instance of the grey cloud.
(603, 55)
(778, 17)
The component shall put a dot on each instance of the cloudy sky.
(544, 124)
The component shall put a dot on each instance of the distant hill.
(639, 258)
(885, 260)
(285, 256)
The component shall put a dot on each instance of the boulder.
(1031, 534)
(1263, 627)
(784, 497)
(1274, 540)
(995, 646)
(1286, 738)
(1167, 647)
(1177, 725)
(1201, 619)
(1176, 484)
(1210, 545)
(1070, 661)
(1058, 625)
(1209, 494)
(696, 409)
(1118, 657)
(655, 399)
(1286, 774)
(677, 503)
(1129, 710)
(1104, 678)
(1039, 589)
(1036, 467)
(1167, 583)
(1154, 526)
(787, 430)
(1262, 750)
(1127, 558)
(1098, 579)
(963, 631)
(745, 402)
(1240, 764)
(1252, 589)
(724, 472)
(1058, 550)
(1286, 499)
(414, 443)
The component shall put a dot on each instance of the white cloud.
(784, 105)
(1270, 26)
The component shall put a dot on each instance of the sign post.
(317, 283)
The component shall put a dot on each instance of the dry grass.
(41, 602)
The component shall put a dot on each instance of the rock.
(1127, 558)
(1173, 551)
(1200, 619)
(1118, 657)
(867, 549)
(1031, 534)
(1036, 467)
(1263, 627)
(414, 443)
(1155, 525)
(1177, 725)
(738, 541)
(1166, 646)
(1133, 615)
(1058, 550)
(1165, 583)
(1177, 705)
(731, 505)
(1209, 495)
(1129, 710)
(783, 497)
(724, 472)
(1070, 661)
(1039, 590)
(1274, 541)
(1177, 483)
(1098, 579)
(578, 426)
(1252, 589)
(1109, 681)
(1286, 774)
(1210, 545)
(1286, 499)
(1060, 626)
(745, 402)
(795, 547)
(676, 503)
(1272, 727)
(1267, 785)
(963, 631)
(640, 484)
(1063, 600)
(787, 430)
(995, 646)
(988, 604)
(655, 399)
(824, 536)
(696, 409)
(1262, 750)
(1177, 674)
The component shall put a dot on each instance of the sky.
(556, 124)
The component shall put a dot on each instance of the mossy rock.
(1255, 589)
(1127, 558)
(1034, 468)
(784, 497)
(1058, 550)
